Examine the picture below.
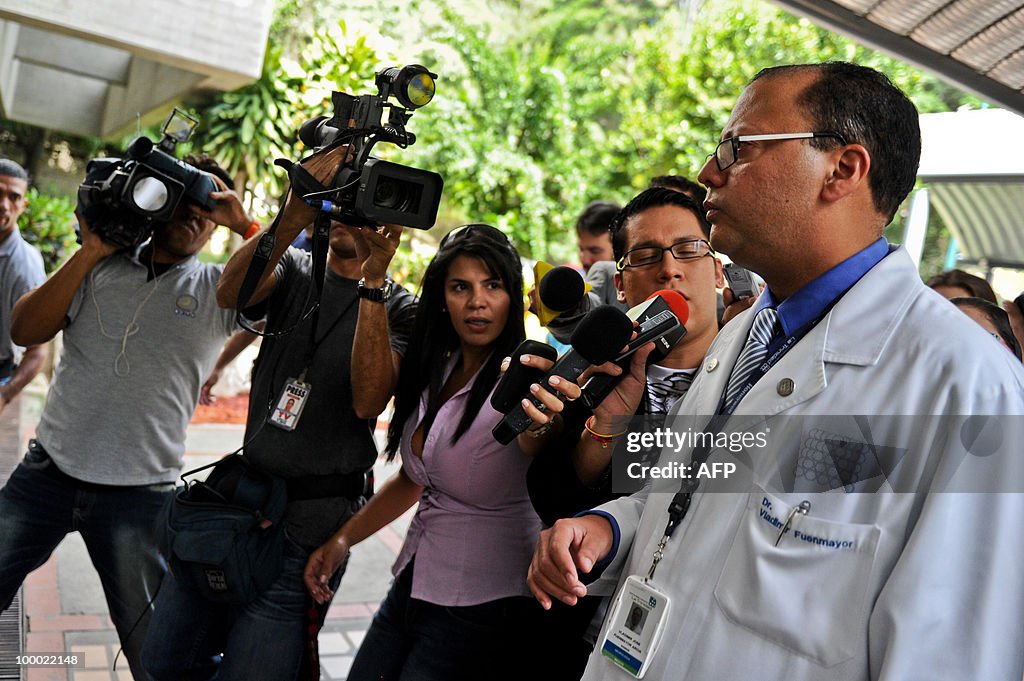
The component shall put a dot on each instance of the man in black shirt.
(337, 368)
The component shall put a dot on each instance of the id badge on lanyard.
(289, 405)
(636, 625)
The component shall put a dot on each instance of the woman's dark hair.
(976, 286)
(997, 316)
(434, 338)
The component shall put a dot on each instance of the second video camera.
(368, 190)
(122, 200)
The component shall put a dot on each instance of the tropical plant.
(48, 223)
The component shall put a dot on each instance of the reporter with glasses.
(459, 607)
(141, 332)
(660, 242)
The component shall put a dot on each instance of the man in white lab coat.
(902, 562)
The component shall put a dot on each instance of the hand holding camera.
(322, 166)
(227, 211)
(376, 246)
(92, 244)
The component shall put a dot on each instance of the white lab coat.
(927, 586)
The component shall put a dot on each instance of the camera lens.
(391, 195)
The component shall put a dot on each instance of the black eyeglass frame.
(734, 143)
(623, 264)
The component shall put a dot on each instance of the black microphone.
(518, 378)
(597, 339)
(664, 332)
(561, 289)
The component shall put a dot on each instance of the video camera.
(367, 190)
(122, 200)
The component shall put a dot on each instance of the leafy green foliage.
(48, 223)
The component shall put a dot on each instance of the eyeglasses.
(645, 256)
(728, 150)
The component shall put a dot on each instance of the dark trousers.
(39, 505)
(412, 640)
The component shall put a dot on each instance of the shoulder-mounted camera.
(122, 200)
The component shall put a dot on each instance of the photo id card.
(289, 405)
(635, 626)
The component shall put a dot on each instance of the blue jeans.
(412, 640)
(191, 639)
(39, 505)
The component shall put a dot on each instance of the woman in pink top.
(459, 607)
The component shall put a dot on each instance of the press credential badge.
(636, 626)
(289, 405)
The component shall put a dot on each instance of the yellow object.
(546, 314)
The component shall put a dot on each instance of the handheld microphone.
(518, 378)
(560, 289)
(597, 339)
(664, 334)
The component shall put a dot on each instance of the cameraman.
(324, 450)
(141, 330)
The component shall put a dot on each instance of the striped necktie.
(753, 354)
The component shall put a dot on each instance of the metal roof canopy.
(977, 44)
(973, 165)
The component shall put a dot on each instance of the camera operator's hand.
(322, 166)
(375, 247)
(229, 210)
(93, 246)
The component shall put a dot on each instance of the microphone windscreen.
(514, 384)
(602, 334)
(675, 302)
(561, 289)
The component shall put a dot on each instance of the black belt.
(347, 485)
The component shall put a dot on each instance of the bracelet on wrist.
(253, 229)
(600, 438)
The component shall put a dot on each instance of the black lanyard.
(680, 504)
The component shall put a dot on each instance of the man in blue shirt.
(848, 573)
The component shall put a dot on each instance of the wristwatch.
(377, 295)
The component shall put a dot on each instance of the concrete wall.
(90, 67)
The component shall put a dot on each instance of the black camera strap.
(303, 183)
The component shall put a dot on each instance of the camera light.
(412, 85)
(150, 195)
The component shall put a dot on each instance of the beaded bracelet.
(603, 440)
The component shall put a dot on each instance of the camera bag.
(223, 537)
